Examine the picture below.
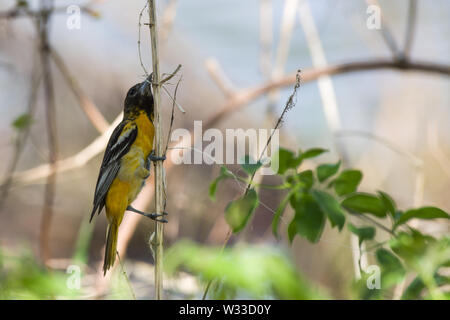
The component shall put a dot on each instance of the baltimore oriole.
(126, 165)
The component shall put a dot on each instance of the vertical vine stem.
(46, 7)
(159, 176)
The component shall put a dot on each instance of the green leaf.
(22, 122)
(303, 180)
(279, 212)
(312, 153)
(411, 246)
(414, 290)
(253, 271)
(392, 269)
(250, 166)
(284, 158)
(347, 182)
(294, 162)
(422, 213)
(388, 202)
(292, 230)
(224, 174)
(213, 189)
(331, 207)
(388, 260)
(364, 203)
(324, 171)
(238, 212)
(306, 179)
(309, 220)
(363, 233)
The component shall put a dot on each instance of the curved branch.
(248, 95)
(70, 163)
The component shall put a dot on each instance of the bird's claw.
(153, 216)
(153, 157)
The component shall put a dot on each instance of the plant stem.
(159, 183)
(47, 214)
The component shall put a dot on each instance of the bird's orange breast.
(146, 132)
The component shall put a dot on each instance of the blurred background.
(390, 123)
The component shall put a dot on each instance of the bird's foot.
(153, 157)
(153, 216)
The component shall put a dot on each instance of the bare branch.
(246, 96)
(172, 117)
(86, 104)
(170, 76)
(410, 28)
(386, 32)
(24, 133)
(47, 213)
(159, 175)
(218, 76)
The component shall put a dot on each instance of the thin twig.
(47, 213)
(246, 96)
(139, 39)
(225, 242)
(173, 100)
(386, 32)
(412, 158)
(289, 105)
(124, 273)
(86, 104)
(374, 222)
(170, 76)
(24, 132)
(159, 175)
(410, 28)
(282, 52)
(172, 116)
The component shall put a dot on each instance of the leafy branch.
(330, 194)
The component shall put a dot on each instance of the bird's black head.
(139, 98)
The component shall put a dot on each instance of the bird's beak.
(146, 85)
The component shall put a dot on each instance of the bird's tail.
(111, 246)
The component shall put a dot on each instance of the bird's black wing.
(119, 144)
